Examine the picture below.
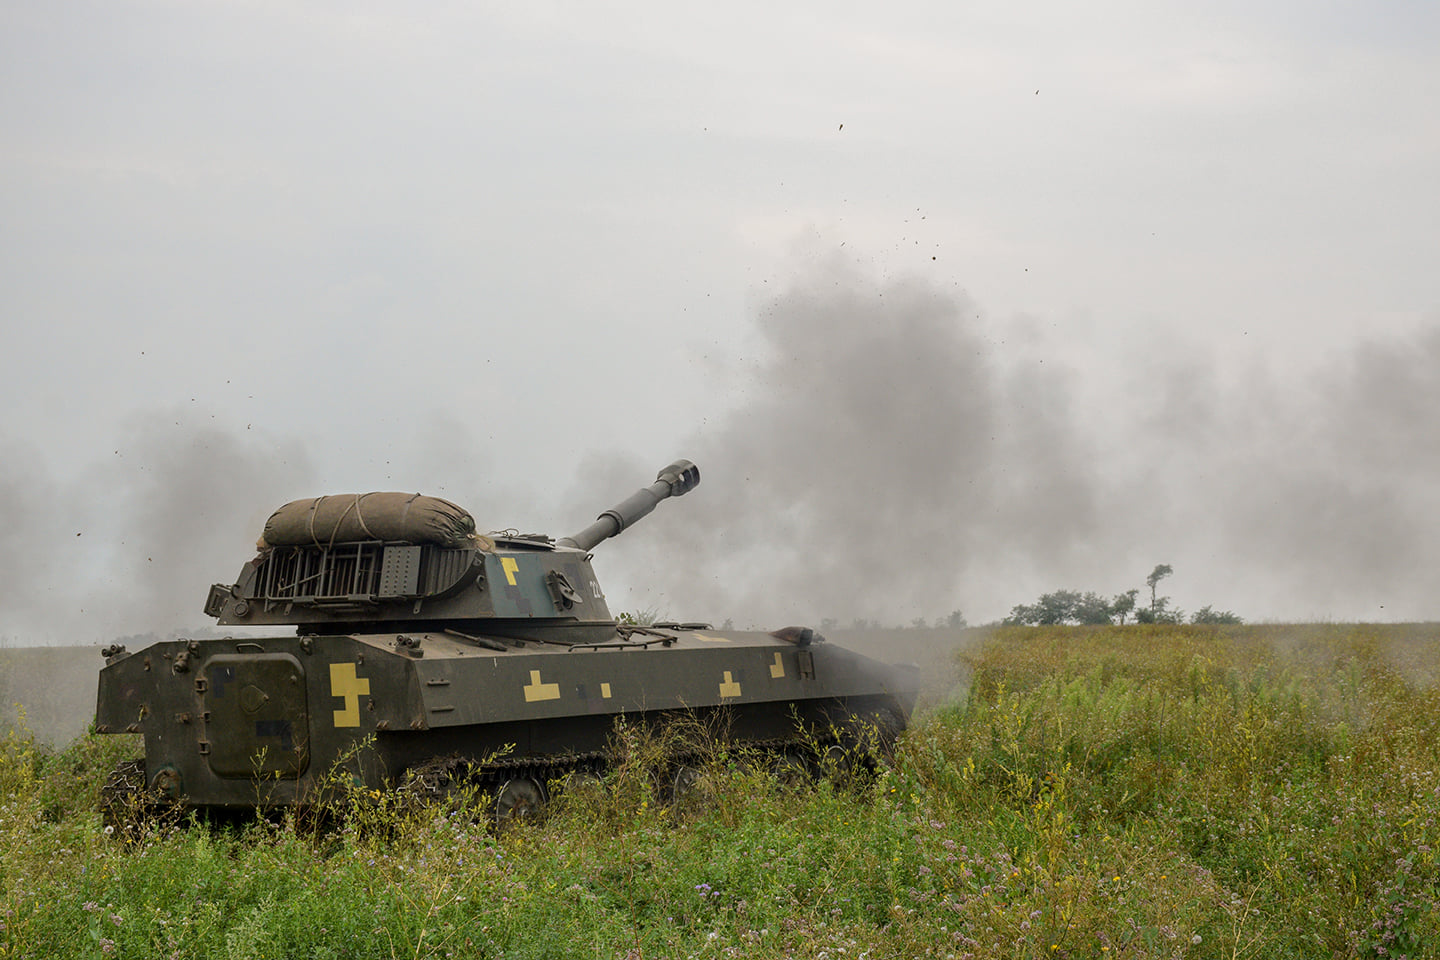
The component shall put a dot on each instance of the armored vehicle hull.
(270, 722)
(492, 661)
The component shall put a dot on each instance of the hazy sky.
(953, 303)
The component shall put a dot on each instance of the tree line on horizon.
(1058, 608)
(1090, 608)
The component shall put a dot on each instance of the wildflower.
(1195, 939)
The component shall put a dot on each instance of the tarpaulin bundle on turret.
(391, 517)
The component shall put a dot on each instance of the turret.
(392, 561)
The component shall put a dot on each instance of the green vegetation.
(1142, 791)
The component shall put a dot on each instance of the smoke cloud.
(881, 457)
(1329, 495)
(889, 459)
(133, 544)
(887, 455)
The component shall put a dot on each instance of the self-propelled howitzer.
(427, 653)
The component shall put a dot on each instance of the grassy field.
(1165, 791)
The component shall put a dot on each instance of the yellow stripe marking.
(511, 566)
(344, 683)
(605, 690)
(777, 669)
(535, 690)
(729, 688)
(701, 636)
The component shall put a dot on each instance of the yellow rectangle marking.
(511, 566)
(605, 690)
(777, 669)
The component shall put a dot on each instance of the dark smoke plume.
(889, 461)
(880, 459)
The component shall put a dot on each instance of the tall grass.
(1159, 791)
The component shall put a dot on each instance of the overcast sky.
(953, 303)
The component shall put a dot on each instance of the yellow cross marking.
(777, 669)
(701, 636)
(535, 690)
(511, 566)
(605, 690)
(344, 683)
(729, 688)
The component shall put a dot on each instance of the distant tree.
(1160, 612)
(919, 623)
(956, 620)
(1207, 615)
(1091, 609)
(1124, 604)
(1060, 607)
(860, 623)
(1160, 572)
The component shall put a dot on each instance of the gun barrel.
(677, 479)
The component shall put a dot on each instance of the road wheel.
(518, 801)
(691, 789)
(790, 770)
(837, 763)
